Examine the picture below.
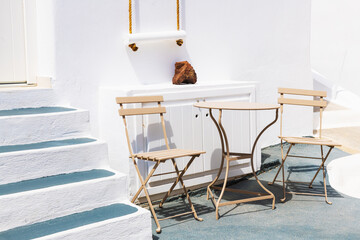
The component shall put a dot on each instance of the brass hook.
(133, 47)
(179, 42)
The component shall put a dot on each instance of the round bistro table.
(231, 156)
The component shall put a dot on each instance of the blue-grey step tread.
(47, 144)
(60, 224)
(51, 181)
(31, 111)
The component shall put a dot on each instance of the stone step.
(116, 221)
(41, 199)
(32, 111)
(26, 98)
(30, 161)
(31, 125)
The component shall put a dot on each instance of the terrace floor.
(300, 217)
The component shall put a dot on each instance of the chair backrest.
(316, 101)
(123, 112)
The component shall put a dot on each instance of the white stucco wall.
(265, 41)
(335, 37)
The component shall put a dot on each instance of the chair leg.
(322, 164)
(281, 166)
(176, 181)
(324, 179)
(186, 192)
(283, 181)
(143, 187)
(141, 179)
(283, 171)
(324, 174)
(158, 229)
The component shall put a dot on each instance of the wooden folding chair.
(317, 101)
(157, 156)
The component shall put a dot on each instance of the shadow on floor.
(300, 217)
(181, 206)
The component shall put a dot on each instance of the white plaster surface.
(25, 97)
(259, 41)
(80, 45)
(48, 203)
(24, 165)
(133, 226)
(335, 36)
(24, 129)
(341, 118)
(344, 175)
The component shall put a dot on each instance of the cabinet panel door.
(238, 129)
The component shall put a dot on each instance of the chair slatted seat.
(167, 154)
(156, 156)
(313, 141)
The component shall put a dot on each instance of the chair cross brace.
(180, 174)
(322, 166)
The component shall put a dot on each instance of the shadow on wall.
(154, 136)
(215, 158)
(154, 62)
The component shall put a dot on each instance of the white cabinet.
(192, 128)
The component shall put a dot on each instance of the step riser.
(133, 226)
(43, 127)
(26, 98)
(48, 203)
(24, 165)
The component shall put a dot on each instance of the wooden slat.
(141, 111)
(304, 92)
(139, 99)
(311, 141)
(302, 102)
(180, 154)
(167, 154)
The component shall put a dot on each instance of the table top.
(236, 105)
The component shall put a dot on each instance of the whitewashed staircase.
(54, 179)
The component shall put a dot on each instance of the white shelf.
(155, 36)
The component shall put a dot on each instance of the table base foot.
(246, 200)
(241, 191)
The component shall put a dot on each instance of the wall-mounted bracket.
(134, 38)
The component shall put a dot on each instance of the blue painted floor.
(300, 217)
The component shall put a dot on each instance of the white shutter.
(13, 40)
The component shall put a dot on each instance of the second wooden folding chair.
(158, 157)
(317, 102)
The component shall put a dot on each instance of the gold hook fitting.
(179, 42)
(133, 47)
